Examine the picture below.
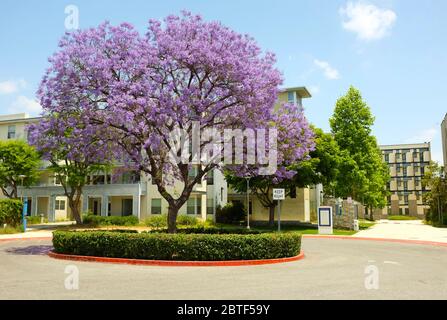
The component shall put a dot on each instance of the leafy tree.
(144, 88)
(19, 163)
(74, 151)
(364, 175)
(322, 166)
(436, 196)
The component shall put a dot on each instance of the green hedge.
(110, 221)
(161, 221)
(179, 247)
(10, 212)
(208, 230)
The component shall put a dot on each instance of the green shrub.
(185, 220)
(157, 221)
(232, 213)
(10, 212)
(208, 230)
(110, 221)
(161, 221)
(180, 247)
(33, 219)
(402, 218)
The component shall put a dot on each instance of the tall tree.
(365, 175)
(74, 151)
(19, 163)
(143, 88)
(435, 182)
(321, 166)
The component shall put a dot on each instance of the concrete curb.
(406, 241)
(164, 263)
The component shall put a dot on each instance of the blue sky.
(394, 51)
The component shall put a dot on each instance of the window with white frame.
(59, 205)
(11, 132)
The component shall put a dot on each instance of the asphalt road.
(332, 269)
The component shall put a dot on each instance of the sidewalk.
(404, 230)
(36, 231)
(27, 235)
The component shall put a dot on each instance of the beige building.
(122, 192)
(302, 204)
(408, 163)
(444, 140)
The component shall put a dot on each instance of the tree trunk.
(75, 211)
(172, 218)
(272, 216)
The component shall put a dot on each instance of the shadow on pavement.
(30, 250)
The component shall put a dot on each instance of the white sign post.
(325, 222)
(279, 194)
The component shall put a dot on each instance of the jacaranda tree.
(74, 150)
(184, 74)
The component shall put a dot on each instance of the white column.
(136, 205)
(84, 204)
(105, 206)
(52, 209)
(34, 206)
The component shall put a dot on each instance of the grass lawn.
(402, 218)
(288, 228)
(366, 224)
(11, 230)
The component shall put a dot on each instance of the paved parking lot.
(409, 230)
(332, 269)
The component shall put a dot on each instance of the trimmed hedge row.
(11, 212)
(161, 221)
(208, 230)
(177, 247)
(110, 221)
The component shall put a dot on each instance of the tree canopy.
(19, 163)
(363, 174)
(183, 75)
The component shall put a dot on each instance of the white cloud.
(329, 72)
(24, 104)
(367, 21)
(426, 135)
(11, 86)
(314, 89)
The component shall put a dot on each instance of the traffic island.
(215, 248)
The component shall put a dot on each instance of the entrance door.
(96, 207)
(127, 207)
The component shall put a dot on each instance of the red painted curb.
(407, 241)
(166, 263)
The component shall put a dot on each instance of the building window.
(59, 205)
(291, 97)
(11, 132)
(210, 178)
(404, 157)
(387, 157)
(209, 206)
(156, 206)
(191, 206)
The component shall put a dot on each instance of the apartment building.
(123, 192)
(444, 140)
(408, 163)
(302, 204)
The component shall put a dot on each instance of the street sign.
(279, 194)
(325, 221)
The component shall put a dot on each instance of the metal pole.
(248, 203)
(279, 215)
